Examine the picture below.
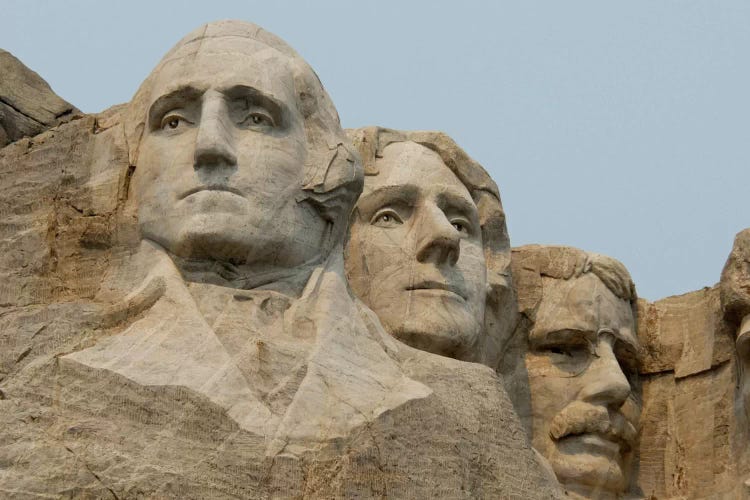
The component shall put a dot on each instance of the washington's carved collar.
(287, 281)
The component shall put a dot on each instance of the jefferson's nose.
(214, 145)
(606, 383)
(439, 242)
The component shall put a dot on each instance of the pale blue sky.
(617, 127)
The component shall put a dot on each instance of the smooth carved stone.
(175, 320)
(428, 248)
(28, 105)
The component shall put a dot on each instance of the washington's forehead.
(409, 163)
(248, 62)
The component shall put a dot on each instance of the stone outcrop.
(28, 105)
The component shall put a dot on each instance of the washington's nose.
(214, 145)
(439, 242)
(606, 382)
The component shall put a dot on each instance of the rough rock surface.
(689, 435)
(27, 103)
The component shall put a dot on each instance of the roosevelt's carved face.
(222, 157)
(582, 364)
(415, 252)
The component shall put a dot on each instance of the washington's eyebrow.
(256, 97)
(170, 100)
(374, 200)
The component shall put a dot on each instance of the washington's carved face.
(582, 366)
(222, 159)
(415, 252)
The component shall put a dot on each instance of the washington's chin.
(215, 236)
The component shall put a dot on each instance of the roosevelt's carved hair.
(333, 173)
(532, 262)
(500, 316)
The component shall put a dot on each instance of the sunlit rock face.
(28, 106)
(176, 318)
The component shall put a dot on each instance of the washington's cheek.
(269, 169)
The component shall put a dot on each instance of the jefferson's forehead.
(409, 163)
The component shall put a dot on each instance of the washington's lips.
(210, 187)
(436, 286)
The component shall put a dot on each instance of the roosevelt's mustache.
(580, 417)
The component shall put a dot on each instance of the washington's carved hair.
(333, 172)
(501, 314)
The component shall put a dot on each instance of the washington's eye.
(173, 121)
(386, 218)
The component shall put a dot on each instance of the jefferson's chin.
(445, 332)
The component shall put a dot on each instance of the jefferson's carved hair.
(500, 316)
(333, 179)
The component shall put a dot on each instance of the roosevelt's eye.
(565, 351)
(386, 218)
(258, 119)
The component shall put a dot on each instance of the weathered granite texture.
(27, 104)
(146, 357)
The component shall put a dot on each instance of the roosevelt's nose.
(214, 145)
(438, 241)
(605, 382)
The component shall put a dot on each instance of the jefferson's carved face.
(415, 252)
(582, 366)
(222, 157)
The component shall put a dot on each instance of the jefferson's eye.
(461, 226)
(386, 218)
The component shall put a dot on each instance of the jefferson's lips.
(435, 285)
(210, 187)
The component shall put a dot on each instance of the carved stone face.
(222, 159)
(415, 252)
(582, 366)
(743, 354)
